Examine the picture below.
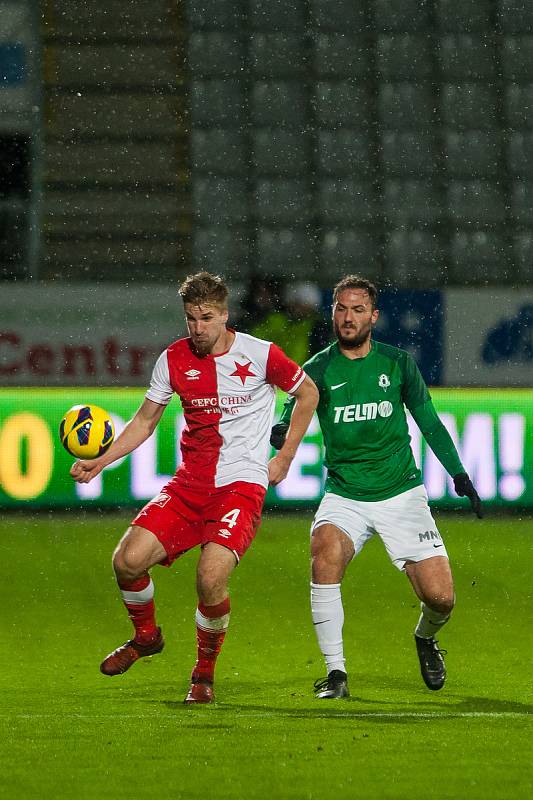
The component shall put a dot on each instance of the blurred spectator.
(299, 326)
(261, 300)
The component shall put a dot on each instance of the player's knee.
(126, 565)
(211, 586)
(326, 552)
(441, 602)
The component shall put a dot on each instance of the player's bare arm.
(304, 408)
(134, 434)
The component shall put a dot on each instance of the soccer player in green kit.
(373, 484)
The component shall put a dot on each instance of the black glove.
(465, 488)
(278, 434)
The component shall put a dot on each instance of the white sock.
(430, 622)
(328, 619)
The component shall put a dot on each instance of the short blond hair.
(204, 289)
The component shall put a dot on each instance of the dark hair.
(204, 288)
(356, 282)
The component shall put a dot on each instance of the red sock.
(211, 626)
(138, 599)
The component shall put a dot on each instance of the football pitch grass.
(69, 732)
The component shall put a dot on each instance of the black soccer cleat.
(432, 664)
(334, 687)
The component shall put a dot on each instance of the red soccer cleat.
(121, 659)
(200, 692)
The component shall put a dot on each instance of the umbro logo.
(224, 533)
(192, 374)
(338, 385)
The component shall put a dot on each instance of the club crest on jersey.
(242, 371)
(161, 500)
(384, 382)
(192, 374)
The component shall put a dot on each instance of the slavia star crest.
(242, 371)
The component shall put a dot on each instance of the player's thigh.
(138, 550)
(174, 517)
(343, 515)
(407, 528)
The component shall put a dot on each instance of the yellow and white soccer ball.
(86, 431)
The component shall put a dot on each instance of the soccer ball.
(86, 431)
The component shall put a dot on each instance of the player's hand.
(465, 488)
(278, 468)
(84, 471)
(278, 434)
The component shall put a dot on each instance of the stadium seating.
(217, 103)
(343, 152)
(218, 200)
(278, 151)
(277, 55)
(469, 16)
(218, 150)
(406, 106)
(408, 153)
(340, 55)
(341, 104)
(282, 201)
(215, 54)
(350, 250)
(472, 153)
(415, 258)
(479, 257)
(280, 103)
(391, 133)
(285, 252)
(221, 248)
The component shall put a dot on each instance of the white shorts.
(404, 523)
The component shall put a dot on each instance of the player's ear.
(375, 316)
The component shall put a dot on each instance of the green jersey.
(362, 416)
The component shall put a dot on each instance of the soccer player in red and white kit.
(225, 381)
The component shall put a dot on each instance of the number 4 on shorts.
(231, 517)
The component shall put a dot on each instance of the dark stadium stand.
(116, 174)
(389, 136)
(303, 138)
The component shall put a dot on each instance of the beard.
(353, 342)
(202, 349)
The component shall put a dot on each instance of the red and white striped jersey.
(228, 403)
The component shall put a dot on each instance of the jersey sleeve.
(281, 371)
(414, 390)
(315, 372)
(438, 438)
(160, 390)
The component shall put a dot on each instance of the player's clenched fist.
(278, 468)
(85, 471)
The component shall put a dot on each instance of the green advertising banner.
(493, 430)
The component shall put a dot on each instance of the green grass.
(68, 732)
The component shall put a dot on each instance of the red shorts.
(182, 518)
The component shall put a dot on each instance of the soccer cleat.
(432, 664)
(121, 659)
(334, 687)
(200, 691)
